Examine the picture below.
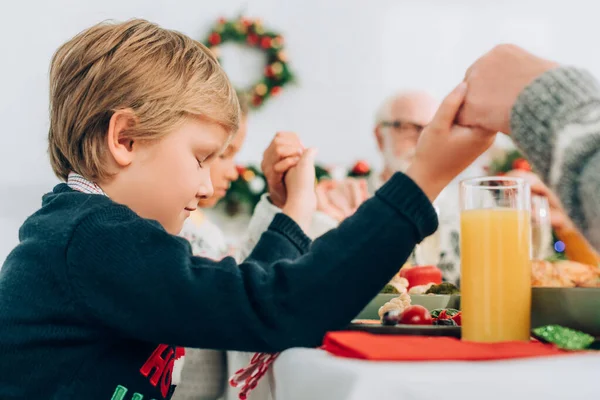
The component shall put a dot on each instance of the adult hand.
(494, 83)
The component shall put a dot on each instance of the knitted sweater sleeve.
(130, 277)
(556, 123)
(263, 215)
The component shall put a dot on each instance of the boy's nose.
(205, 190)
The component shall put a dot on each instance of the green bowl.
(575, 308)
(429, 301)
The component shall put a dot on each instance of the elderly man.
(398, 125)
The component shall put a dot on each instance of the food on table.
(412, 315)
(366, 321)
(389, 289)
(396, 285)
(440, 314)
(454, 316)
(420, 289)
(415, 315)
(443, 288)
(421, 275)
(581, 274)
(397, 303)
(544, 274)
(444, 312)
(391, 318)
(401, 284)
(564, 274)
(444, 322)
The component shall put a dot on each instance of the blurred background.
(347, 56)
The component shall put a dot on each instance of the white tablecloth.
(307, 374)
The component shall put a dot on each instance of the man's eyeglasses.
(403, 126)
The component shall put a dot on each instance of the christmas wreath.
(251, 32)
(245, 192)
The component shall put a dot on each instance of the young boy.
(99, 291)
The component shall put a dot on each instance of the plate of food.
(421, 284)
(566, 293)
(413, 320)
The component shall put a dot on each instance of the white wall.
(348, 55)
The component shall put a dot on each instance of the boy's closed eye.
(204, 160)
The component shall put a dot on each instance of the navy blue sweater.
(94, 299)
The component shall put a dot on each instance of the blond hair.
(244, 102)
(162, 76)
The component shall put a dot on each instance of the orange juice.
(495, 275)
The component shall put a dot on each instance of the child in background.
(206, 238)
(100, 294)
(204, 372)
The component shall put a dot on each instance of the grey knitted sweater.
(556, 123)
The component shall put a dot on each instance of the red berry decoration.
(214, 39)
(240, 169)
(265, 42)
(269, 72)
(252, 40)
(361, 168)
(278, 41)
(276, 90)
(521, 164)
(221, 21)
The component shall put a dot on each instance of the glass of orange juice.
(495, 246)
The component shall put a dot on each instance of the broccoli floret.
(443, 288)
(444, 322)
(389, 289)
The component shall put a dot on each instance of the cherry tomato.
(457, 318)
(416, 315)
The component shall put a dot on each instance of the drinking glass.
(495, 248)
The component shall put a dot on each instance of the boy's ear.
(121, 147)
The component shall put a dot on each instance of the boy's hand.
(301, 200)
(283, 153)
(445, 149)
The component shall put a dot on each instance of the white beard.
(394, 162)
